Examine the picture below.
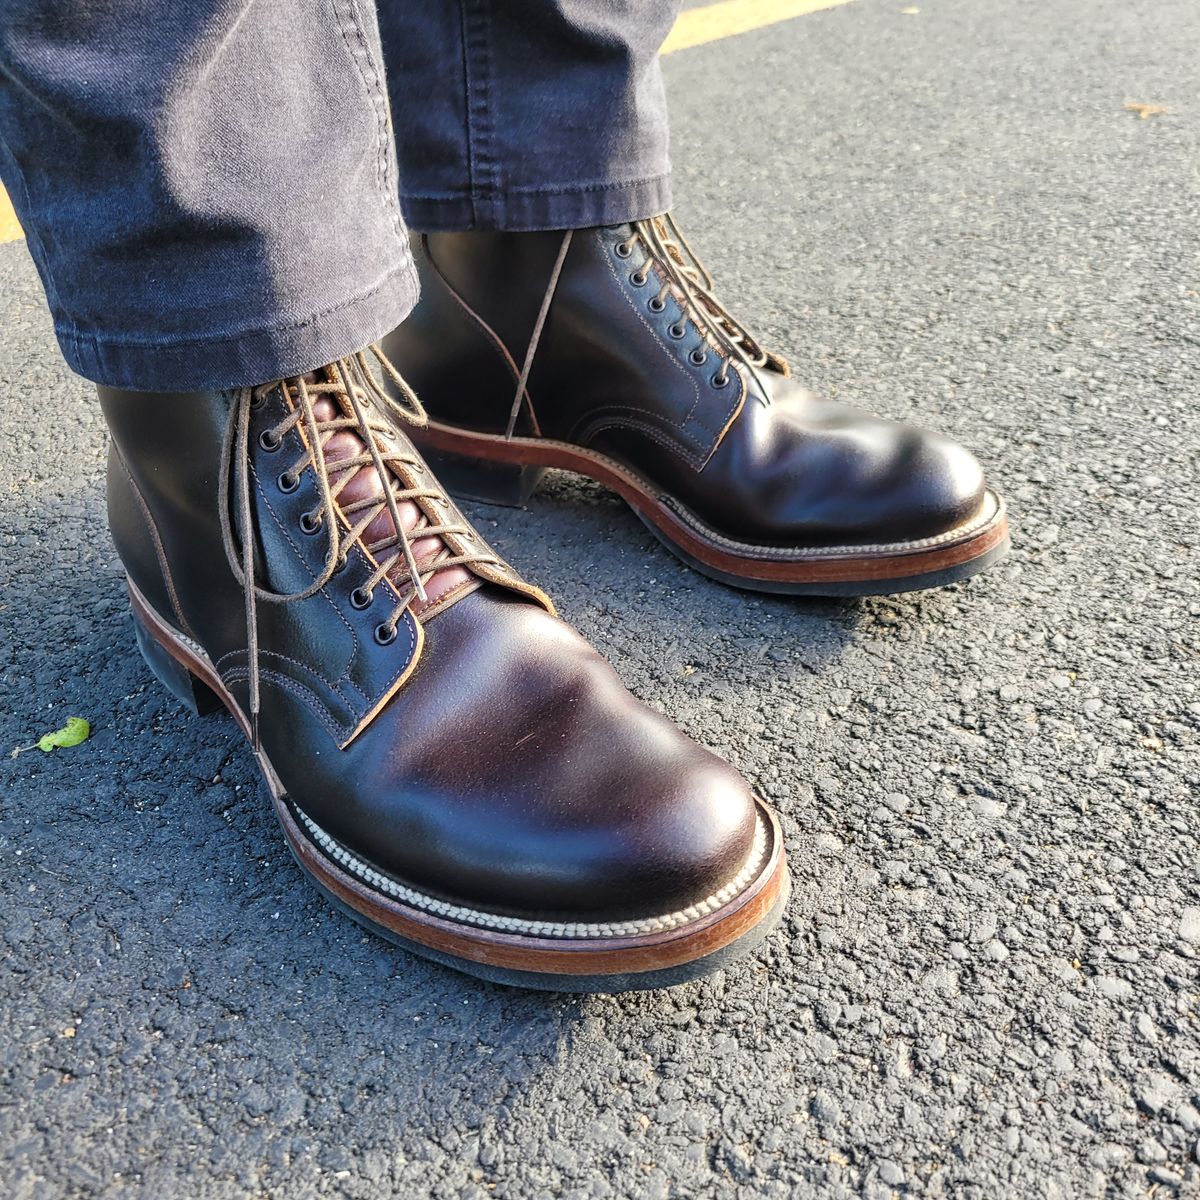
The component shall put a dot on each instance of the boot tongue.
(365, 484)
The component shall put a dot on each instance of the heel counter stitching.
(159, 549)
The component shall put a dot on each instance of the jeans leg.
(529, 114)
(208, 187)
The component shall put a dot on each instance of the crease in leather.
(160, 554)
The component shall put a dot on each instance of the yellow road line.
(10, 231)
(696, 26)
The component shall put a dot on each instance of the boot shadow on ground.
(590, 551)
(150, 899)
(665, 627)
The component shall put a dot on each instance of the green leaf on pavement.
(76, 730)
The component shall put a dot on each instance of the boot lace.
(685, 275)
(665, 248)
(364, 408)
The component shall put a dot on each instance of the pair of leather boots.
(452, 764)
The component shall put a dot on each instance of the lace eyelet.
(720, 381)
(677, 331)
(287, 482)
(385, 634)
(257, 401)
(655, 305)
(269, 441)
(622, 249)
(340, 566)
(698, 357)
(638, 278)
(361, 598)
(309, 523)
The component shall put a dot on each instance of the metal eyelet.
(385, 634)
(269, 441)
(257, 401)
(698, 357)
(638, 278)
(656, 305)
(361, 598)
(622, 249)
(309, 523)
(678, 331)
(287, 482)
(720, 381)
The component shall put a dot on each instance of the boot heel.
(480, 479)
(173, 675)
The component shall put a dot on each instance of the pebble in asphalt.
(987, 983)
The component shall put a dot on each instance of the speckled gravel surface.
(987, 983)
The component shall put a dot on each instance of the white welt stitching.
(552, 929)
(991, 507)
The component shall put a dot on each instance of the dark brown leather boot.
(605, 351)
(450, 762)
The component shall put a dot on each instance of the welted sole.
(669, 949)
(637, 981)
(500, 470)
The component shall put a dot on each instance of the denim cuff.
(518, 211)
(247, 357)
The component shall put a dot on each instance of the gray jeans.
(210, 188)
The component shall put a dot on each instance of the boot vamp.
(515, 774)
(803, 471)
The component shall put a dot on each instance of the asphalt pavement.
(987, 983)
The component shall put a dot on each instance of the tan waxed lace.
(682, 273)
(368, 411)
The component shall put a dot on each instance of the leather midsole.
(984, 530)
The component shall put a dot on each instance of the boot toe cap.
(864, 480)
(805, 472)
(545, 791)
(938, 485)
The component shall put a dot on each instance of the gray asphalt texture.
(987, 983)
